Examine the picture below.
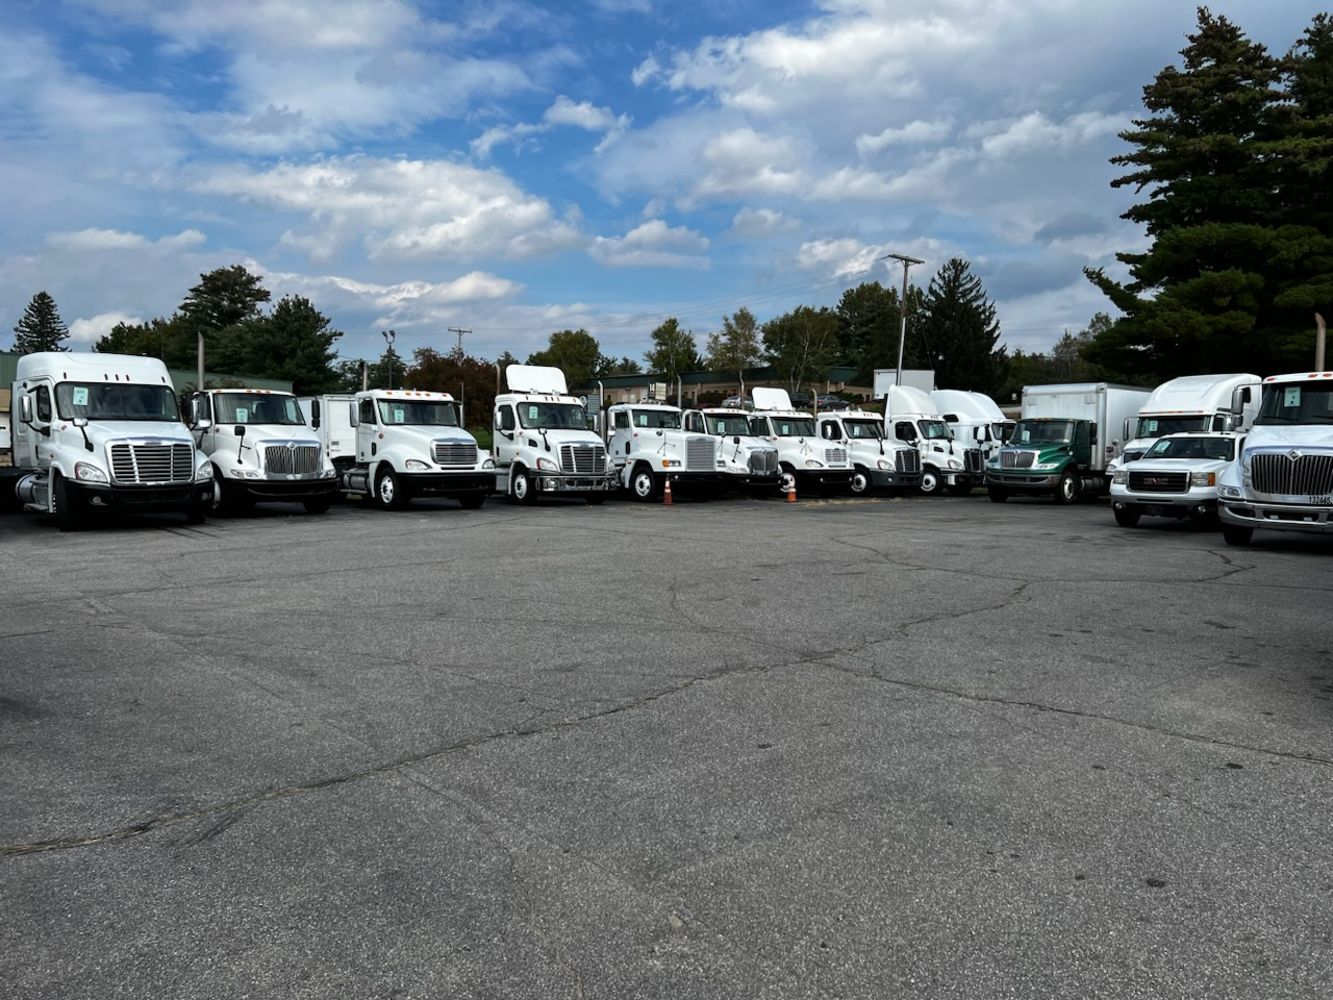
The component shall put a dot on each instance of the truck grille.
(1305, 475)
(764, 462)
(835, 456)
(291, 460)
(582, 459)
(1159, 482)
(455, 453)
(1017, 459)
(701, 454)
(972, 460)
(152, 463)
(908, 460)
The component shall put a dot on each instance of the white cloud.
(115, 239)
(754, 223)
(915, 132)
(92, 329)
(652, 244)
(402, 209)
(1035, 133)
(578, 114)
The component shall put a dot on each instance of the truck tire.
(786, 479)
(1237, 535)
(69, 508)
(1067, 489)
(521, 487)
(389, 493)
(643, 483)
(932, 483)
(1127, 518)
(317, 505)
(860, 481)
(997, 494)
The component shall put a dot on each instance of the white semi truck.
(262, 449)
(1062, 445)
(807, 461)
(975, 419)
(751, 463)
(392, 445)
(542, 443)
(1187, 404)
(877, 464)
(1283, 480)
(649, 447)
(910, 418)
(94, 433)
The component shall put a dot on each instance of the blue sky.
(519, 168)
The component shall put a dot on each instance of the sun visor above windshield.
(536, 378)
(770, 399)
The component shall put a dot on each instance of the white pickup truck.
(1176, 478)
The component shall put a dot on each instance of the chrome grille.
(291, 459)
(835, 456)
(455, 453)
(152, 463)
(1305, 475)
(972, 460)
(1017, 459)
(908, 460)
(582, 459)
(1159, 482)
(764, 462)
(701, 454)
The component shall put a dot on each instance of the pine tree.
(40, 328)
(957, 327)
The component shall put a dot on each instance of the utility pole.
(460, 332)
(1320, 334)
(389, 336)
(902, 309)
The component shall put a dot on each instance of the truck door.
(620, 443)
(505, 441)
(367, 431)
(1082, 443)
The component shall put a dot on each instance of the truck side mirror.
(203, 424)
(25, 409)
(314, 413)
(352, 416)
(240, 430)
(1093, 433)
(1125, 430)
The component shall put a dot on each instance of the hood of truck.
(1046, 454)
(101, 432)
(256, 434)
(1317, 437)
(557, 437)
(1178, 465)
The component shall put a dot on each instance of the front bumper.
(1018, 482)
(1276, 516)
(260, 490)
(446, 484)
(755, 480)
(1195, 503)
(143, 499)
(824, 477)
(550, 482)
(886, 478)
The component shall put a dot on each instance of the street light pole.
(902, 310)
(389, 336)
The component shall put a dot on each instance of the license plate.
(1324, 501)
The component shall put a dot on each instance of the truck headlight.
(1046, 466)
(669, 462)
(203, 472)
(488, 464)
(810, 463)
(1203, 478)
(1120, 477)
(92, 474)
(1230, 492)
(955, 464)
(415, 465)
(883, 464)
(546, 465)
(237, 473)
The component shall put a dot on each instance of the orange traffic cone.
(666, 492)
(791, 493)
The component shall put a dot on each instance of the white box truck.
(406, 443)
(750, 462)
(911, 418)
(649, 447)
(1062, 444)
(95, 433)
(807, 461)
(262, 449)
(541, 440)
(1283, 480)
(1188, 404)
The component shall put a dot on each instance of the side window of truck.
(692, 422)
(367, 411)
(829, 429)
(622, 419)
(904, 431)
(43, 403)
(506, 418)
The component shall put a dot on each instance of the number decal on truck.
(1322, 501)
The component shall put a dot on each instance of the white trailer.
(975, 419)
(910, 418)
(1188, 404)
(750, 462)
(542, 442)
(101, 433)
(261, 448)
(807, 461)
(649, 447)
(407, 443)
(1284, 478)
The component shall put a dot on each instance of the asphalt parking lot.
(930, 747)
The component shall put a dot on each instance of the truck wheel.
(389, 491)
(1066, 490)
(471, 501)
(997, 494)
(521, 487)
(317, 505)
(69, 509)
(860, 482)
(786, 480)
(1237, 535)
(643, 483)
(1127, 518)
(931, 481)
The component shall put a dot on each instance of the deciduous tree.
(674, 351)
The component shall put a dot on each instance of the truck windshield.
(791, 427)
(1297, 403)
(856, 429)
(934, 430)
(727, 424)
(1221, 449)
(1042, 432)
(1003, 432)
(560, 416)
(418, 412)
(667, 419)
(256, 408)
(99, 401)
(1151, 427)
